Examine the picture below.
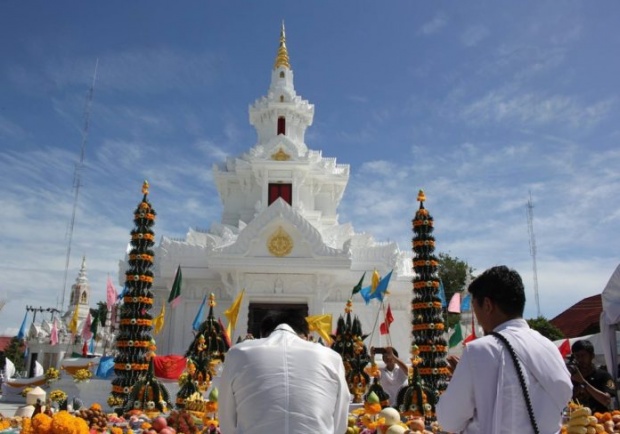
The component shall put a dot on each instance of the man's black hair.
(583, 345)
(503, 286)
(291, 317)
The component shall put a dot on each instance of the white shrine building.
(279, 237)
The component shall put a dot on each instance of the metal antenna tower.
(77, 175)
(530, 228)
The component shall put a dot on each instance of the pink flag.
(111, 293)
(54, 333)
(86, 333)
(455, 303)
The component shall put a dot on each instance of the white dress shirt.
(484, 395)
(283, 384)
(392, 381)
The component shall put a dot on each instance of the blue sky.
(477, 102)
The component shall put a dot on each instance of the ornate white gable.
(280, 217)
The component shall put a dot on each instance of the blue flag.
(106, 367)
(199, 315)
(466, 303)
(123, 292)
(22, 330)
(91, 346)
(442, 294)
(379, 292)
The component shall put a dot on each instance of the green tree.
(454, 273)
(15, 353)
(545, 328)
(101, 312)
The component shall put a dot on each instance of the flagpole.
(374, 327)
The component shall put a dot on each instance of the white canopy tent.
(610, 321)
(599, 342)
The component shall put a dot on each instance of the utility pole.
(530, 227)
(77, 182)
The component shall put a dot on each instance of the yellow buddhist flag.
(374, 281)
(73, 325)
(158, 321)
(233, 312)
(322, 324)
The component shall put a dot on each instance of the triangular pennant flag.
(199, 315)
(86, 333)
(457, 336)
(158, 321)
(54, 333)
(322, 324)
(85, 349)
(466, 303)
(91, 347)
(565, 349)
(374, 281)
(175, 292)
(124, 291)
(232, 313)
(384, 328)
(441, 293)
(455, 303)
(73, 325)
(380, 290)
(111, 293)
(225, 334)
(357, 288)
(22, 330)
(472, 336)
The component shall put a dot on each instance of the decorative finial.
(145, 187)
(421, 196)
(349, 306)
(282, 57)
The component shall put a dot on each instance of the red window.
(285, 191)
(281, 125)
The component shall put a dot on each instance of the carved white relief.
(278, 286)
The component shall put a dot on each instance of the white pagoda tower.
(279, 237)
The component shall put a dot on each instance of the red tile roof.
(580, 319)
(4, 342)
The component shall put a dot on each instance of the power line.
(530, 227)
(77, 181)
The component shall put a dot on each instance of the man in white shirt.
(394, 374)
(283, 384)
(485, 395)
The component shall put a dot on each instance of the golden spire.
(282, 57)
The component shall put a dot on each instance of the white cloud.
(434, 25)
(534, 109)
(473, 35)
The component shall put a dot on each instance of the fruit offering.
(94, 416)
(183, 422)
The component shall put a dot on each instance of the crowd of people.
(510, 380)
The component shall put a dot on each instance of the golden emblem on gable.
(280, 243)
(280, 155)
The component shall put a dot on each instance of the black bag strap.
(526, 395)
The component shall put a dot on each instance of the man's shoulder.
(602, 374)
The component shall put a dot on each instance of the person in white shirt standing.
(485, 394)
(394, 374)
(283, 384)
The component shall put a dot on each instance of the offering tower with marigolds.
(134, 342)
(428, 347)
(207, 350)
(349, 343)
